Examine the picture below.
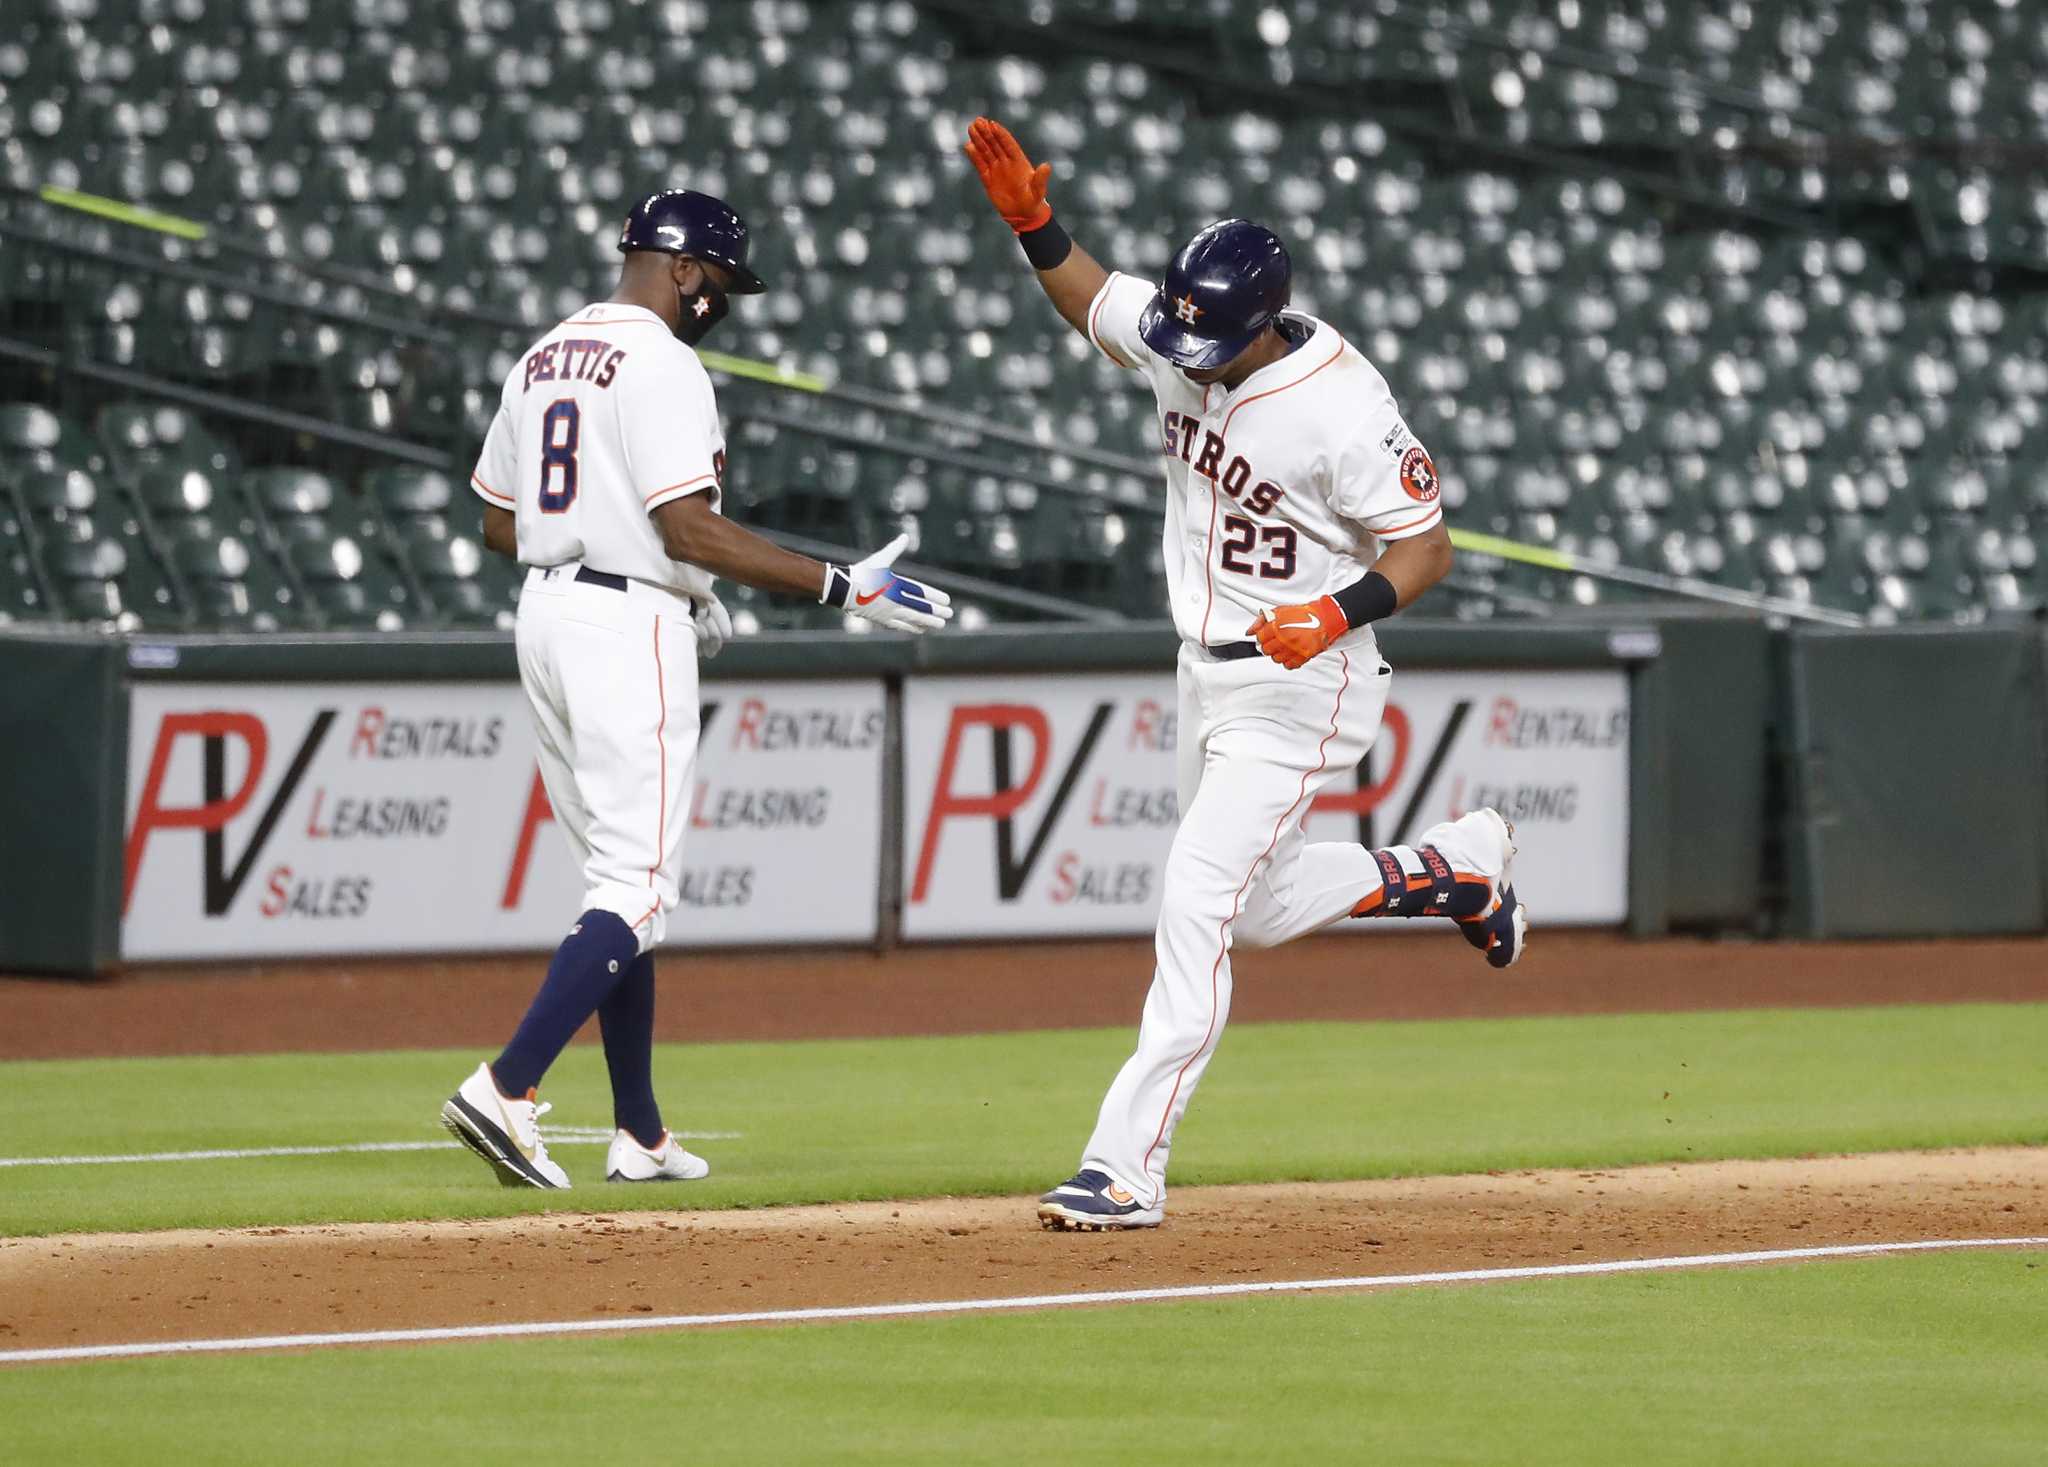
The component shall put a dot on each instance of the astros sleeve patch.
(1386, 480)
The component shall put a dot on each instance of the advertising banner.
(1044, 806)
(369, 817)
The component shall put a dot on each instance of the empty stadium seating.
(1748, 293)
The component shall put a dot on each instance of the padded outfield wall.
(213, 797)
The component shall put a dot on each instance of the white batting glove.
(714, 627)
(873, 592)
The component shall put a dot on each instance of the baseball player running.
(1300, 509)
(601, 474)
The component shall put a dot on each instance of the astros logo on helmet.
(680, 221)
(1224, 287)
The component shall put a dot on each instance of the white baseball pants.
(1257, 744)
(611, 677)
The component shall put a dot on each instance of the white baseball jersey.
(1279, 491)
(603, 420)
(1281, 488)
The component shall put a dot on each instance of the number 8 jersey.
(602, 421)
(1280, 489)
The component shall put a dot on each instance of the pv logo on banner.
(343, 818)
(1036, 805)
(1045, 806)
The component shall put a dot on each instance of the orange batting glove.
(1014, 186)
(1291, 635)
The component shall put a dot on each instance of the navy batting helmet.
(681, 221)
(1224, 287)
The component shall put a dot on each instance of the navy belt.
(591, 577)
(1232, 651)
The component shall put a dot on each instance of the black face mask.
(700, 312)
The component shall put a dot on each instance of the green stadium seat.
(147, 587)
(141, 438)
(87, 576)
(297, 503)
(57, 494)
(34, 439)
(413, 502)
(349, 585)
(236, 585)
(172, 497)
(21, 595)
(214, 567)
(468, 585)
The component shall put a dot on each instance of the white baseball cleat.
(1502, 930)
(629, 1161)
(502, 1130)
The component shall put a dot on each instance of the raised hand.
(871, 590)
(1015, 187)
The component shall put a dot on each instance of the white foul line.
(576, 1136)
(982, 1306)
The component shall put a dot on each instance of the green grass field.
(840, 1120)
(1907, 1359)
(1897, 1360)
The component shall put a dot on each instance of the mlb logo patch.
(1418, 474)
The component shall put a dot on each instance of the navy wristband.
(1047, 246)
(1369, 598)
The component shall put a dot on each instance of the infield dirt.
(106, 1288)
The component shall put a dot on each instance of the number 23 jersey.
(1281, 489)
(603, 420)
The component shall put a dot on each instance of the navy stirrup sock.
(1434, 891)
(627, 1022)
(587, 967)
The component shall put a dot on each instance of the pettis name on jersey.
(574, 360)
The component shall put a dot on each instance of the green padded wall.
(1919, 792)
(1700, 711)
(63, 735)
